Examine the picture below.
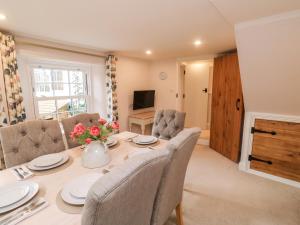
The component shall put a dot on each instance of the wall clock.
(163, 76)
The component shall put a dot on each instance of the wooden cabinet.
(276, 148)
(227, 110)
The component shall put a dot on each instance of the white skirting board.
(244, 164)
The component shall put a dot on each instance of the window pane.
(79, 104)
(60, 76)
(42, 75)
(43, 90)
(63, 105)
(60, 89)
(77, 89)
(66, 89)
(76, 77)
(47, 107)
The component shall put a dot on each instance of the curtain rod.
(20, 41)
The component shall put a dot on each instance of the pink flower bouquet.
(100, 132)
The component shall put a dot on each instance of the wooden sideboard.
(142, 119)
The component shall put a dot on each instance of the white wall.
(132, 74)
(269, 52)
(165, 89)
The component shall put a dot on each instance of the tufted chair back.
(87, 119)
(169, 193)
(168, 123)
(125, 196)
(25, 141)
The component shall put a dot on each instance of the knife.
(19, 174)
(32, 206)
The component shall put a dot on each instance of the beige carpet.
(217, 193)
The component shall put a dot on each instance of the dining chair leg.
(179, 216)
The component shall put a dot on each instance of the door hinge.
(250, 158)
(254, 130)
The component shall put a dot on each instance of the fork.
(23, 172)
(19, 213)
(19, 173)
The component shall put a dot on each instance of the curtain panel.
(111, 86)
(11, 99)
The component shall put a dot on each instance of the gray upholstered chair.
(169, 194)
(87, 119)
(125, 196)
(168, 123)
(25, 141)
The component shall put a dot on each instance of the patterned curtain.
(111, 86)
(11, 100)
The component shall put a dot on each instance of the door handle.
(250, 158)
(205, 90)
(237, 104)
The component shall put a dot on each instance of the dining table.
(51, 182)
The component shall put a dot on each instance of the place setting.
(47, 162)
(41, 163)
(71, 198)
(112, 142)
(16, 202)
(143, 139)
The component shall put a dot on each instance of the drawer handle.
(254, 130)
(250, 158)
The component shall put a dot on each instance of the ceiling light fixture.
(197, 42)
(2, 16)
(148, 52)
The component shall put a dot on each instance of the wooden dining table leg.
(179, 217)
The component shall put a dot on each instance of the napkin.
(26, 173)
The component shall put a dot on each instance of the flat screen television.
(143, 99)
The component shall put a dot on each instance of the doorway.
(195, 89)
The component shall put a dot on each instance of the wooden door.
(227, 108)
(276, 148)
(217, 125)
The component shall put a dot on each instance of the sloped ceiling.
(129, 27)
(269, 56)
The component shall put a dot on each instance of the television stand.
(141, 119)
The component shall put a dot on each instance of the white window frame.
(60, 65)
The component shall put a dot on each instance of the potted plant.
(95, 152)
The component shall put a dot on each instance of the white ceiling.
(129, 27)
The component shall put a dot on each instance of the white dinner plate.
(75, 191)
(145, 139)
(111, 141)
(65, 158)
(33, 189)
(47, 160)
(12, 194)
(139, 152)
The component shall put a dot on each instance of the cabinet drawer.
(276, 148)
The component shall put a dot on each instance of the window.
(59, 93)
